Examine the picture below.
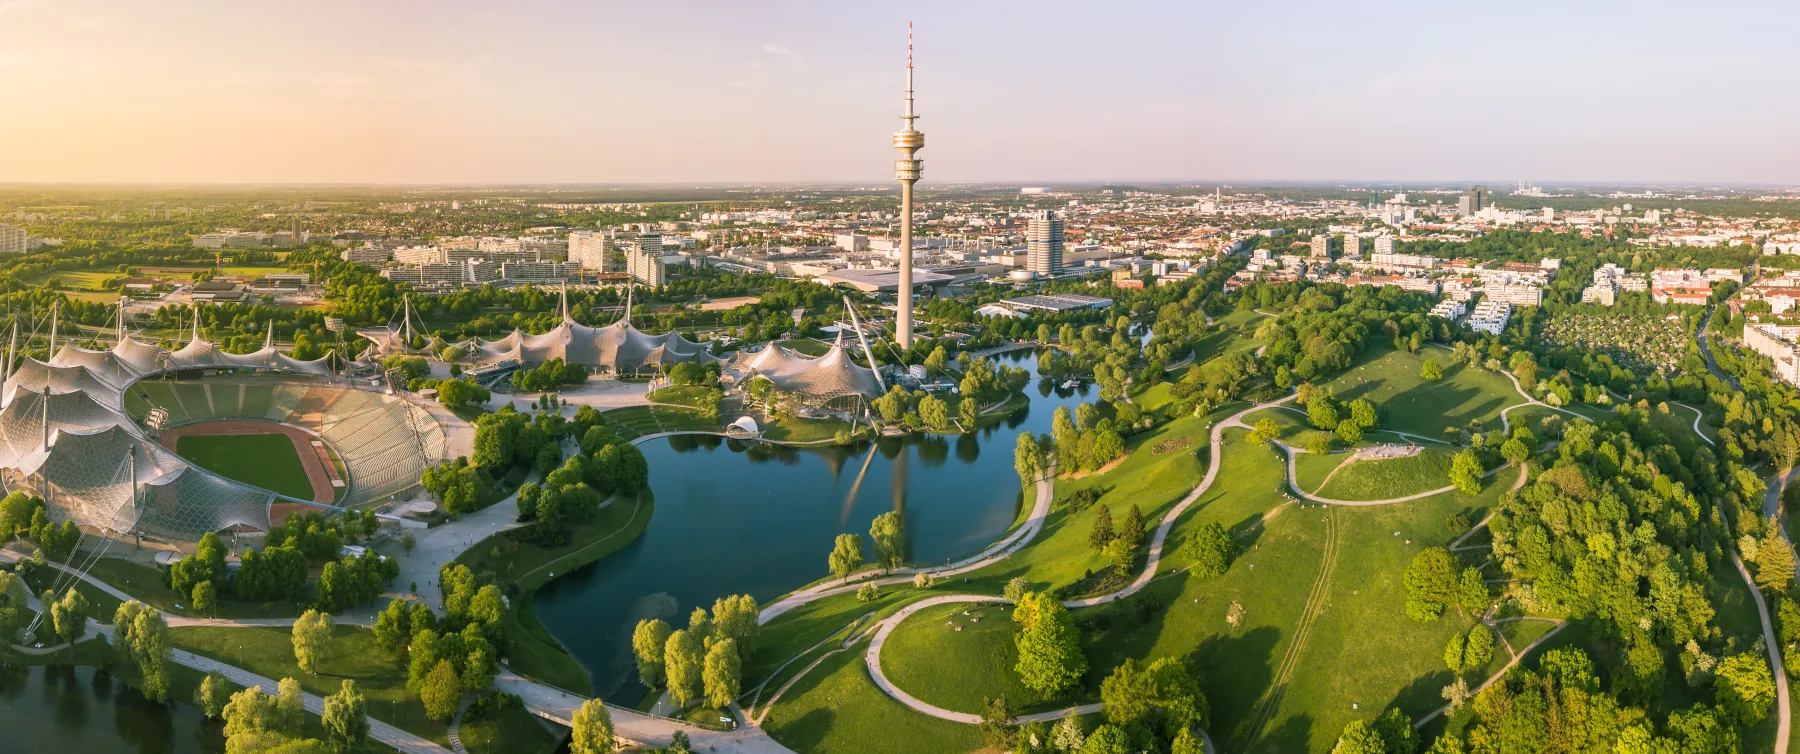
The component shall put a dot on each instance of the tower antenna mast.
(907, 171)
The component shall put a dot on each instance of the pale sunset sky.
(405, 91)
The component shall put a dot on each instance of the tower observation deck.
(907, 171)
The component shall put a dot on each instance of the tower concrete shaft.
(907, 171)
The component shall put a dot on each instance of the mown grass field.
(836, 708)
(267, 461)
(1428, 469)
(957, 656)
(1410, 403)
(352, 653)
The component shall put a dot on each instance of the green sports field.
(267, 461)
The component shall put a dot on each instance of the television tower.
(906, 171)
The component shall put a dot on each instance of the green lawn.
(803, 430)
(681, 395)
(1154, 482)
(514, 731)
(352, 653)
(1310, 470)
(1389, 478)
(930, 658)
(836, 708)
(1410, 403)
(1292, 423)
(267, 461)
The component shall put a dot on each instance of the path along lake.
(759, 519)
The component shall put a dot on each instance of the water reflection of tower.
(898, 481)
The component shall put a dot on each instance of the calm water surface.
(759, 519)
(75, 709)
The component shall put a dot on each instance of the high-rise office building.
(590, 248)
(13, 240)
(1044, 244)
(1352, 245)
(1473, 200)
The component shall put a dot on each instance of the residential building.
(1044, 244)
(590, 249)
(1680, 295)
(1490, 317)
(1604, 294)
(536, 272)
(1400, 261)
(1515, 294)
(1779, 344)
(427, 274)
(13, 240)
(1384, 245)
(1321, 246)
(1448, 309)
(1352, 246)
(643, 261)
(370, 255)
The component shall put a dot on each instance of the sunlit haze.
(593, 92)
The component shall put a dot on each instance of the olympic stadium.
(90, 431)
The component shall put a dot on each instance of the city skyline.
(563, 93)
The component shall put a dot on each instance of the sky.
(449, 92)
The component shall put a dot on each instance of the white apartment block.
(1384, 245)
(372, 255)
(1400, 261)
(1515, 294)
(1352, 246)
(1321, 246)
(644, 262)
(427, 274)
(1604, 294)
(1448, 309)
(1779, 344)
(589, 249)
(1490, 317)
(13, 240)
(532, 272)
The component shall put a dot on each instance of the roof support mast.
(867, 354)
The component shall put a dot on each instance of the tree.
(345, 719)
(290, 707)
(1028, 458)
(1050, 659)
(1774, 564)
(1397, 732)
(934, 412)
(1465, 471)
(722, 676)
(1349, 432)
(1319, 443)
(846, 556)
(249, 712)
(312, 631)
(1359, 738)
(1265, 431)
(1362, 412)
(1067, 736)
(1102, 533)
(1746, 689)
(1430, 582)
(1161, 695)
(888, 533)
(1120, 552)
(591, 729)
(868, 592)
(682, 665)
(68, 616)
(441, 691)
(1480, 648)
(1453, 652)
(647, 643)
(1016, 588)
(1322, 411)
(735, 618)
(212, 696)
(1107, 739)
(206, 598)
(1209, 551)
(1431, 370)
(1472, 592)
(1187, 743)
